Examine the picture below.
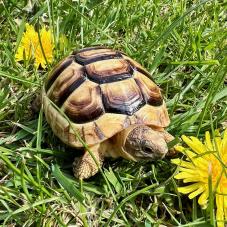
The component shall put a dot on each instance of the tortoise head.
(144, 143)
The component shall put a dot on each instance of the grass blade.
(66, 184)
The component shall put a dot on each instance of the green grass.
(182, 44)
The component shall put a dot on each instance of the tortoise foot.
(85, 166)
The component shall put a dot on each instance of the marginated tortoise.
(110, 101)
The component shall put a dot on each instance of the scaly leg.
(168, 137)
(85, 166)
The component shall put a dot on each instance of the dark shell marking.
(91, 56)
(98, 80)
(151, 92)
(58, 70)
(65, 84)
(122, 97)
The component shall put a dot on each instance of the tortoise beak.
(152, 155)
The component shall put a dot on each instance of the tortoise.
(106, 99)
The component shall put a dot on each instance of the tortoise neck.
(114, 147)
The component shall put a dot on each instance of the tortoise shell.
(102, 92)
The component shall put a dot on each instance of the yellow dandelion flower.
(32, 48)
(28, 44)
(46, 42)
(205, 160)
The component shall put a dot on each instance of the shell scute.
(71, 78)
(122, 97)
(58, 69)
(109, 71)
(150, 90)
(137, 66)
(94, 55)
(92, 132)
(153, 115)
(110, 124)
(85, 103)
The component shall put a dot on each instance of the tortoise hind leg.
(85, 166)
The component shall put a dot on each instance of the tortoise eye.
(147, 150)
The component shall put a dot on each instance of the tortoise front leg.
(85, 166)
(168, 138)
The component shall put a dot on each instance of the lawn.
(183, 44)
